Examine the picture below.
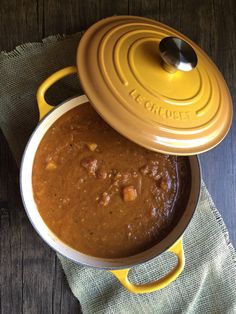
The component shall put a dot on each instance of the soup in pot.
(102, 194)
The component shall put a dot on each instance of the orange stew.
(102, 194)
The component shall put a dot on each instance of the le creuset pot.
(119, 267)
(172, 100)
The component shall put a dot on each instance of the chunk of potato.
(51, 165)
(129, 193)
(92, 146)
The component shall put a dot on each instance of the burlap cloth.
(208, 283)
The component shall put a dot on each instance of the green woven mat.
(208, 283)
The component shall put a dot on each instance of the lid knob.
(177, 54)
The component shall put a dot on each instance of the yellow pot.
(121, 266)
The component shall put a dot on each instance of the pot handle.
(122, 274)
(43, 106)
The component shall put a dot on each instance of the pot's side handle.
(43, 106)
(122, 274)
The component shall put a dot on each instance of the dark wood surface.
(31, 279)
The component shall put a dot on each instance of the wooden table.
(31, 279)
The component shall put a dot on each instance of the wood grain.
(31, 278)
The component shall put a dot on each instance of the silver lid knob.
(177, 54)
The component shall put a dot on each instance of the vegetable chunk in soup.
(102, 194)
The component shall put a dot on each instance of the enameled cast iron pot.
(173, 100)
(120, 266)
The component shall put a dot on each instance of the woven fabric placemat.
(208, 282)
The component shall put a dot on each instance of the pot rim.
(62, 248)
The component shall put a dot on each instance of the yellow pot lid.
(127, 73)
